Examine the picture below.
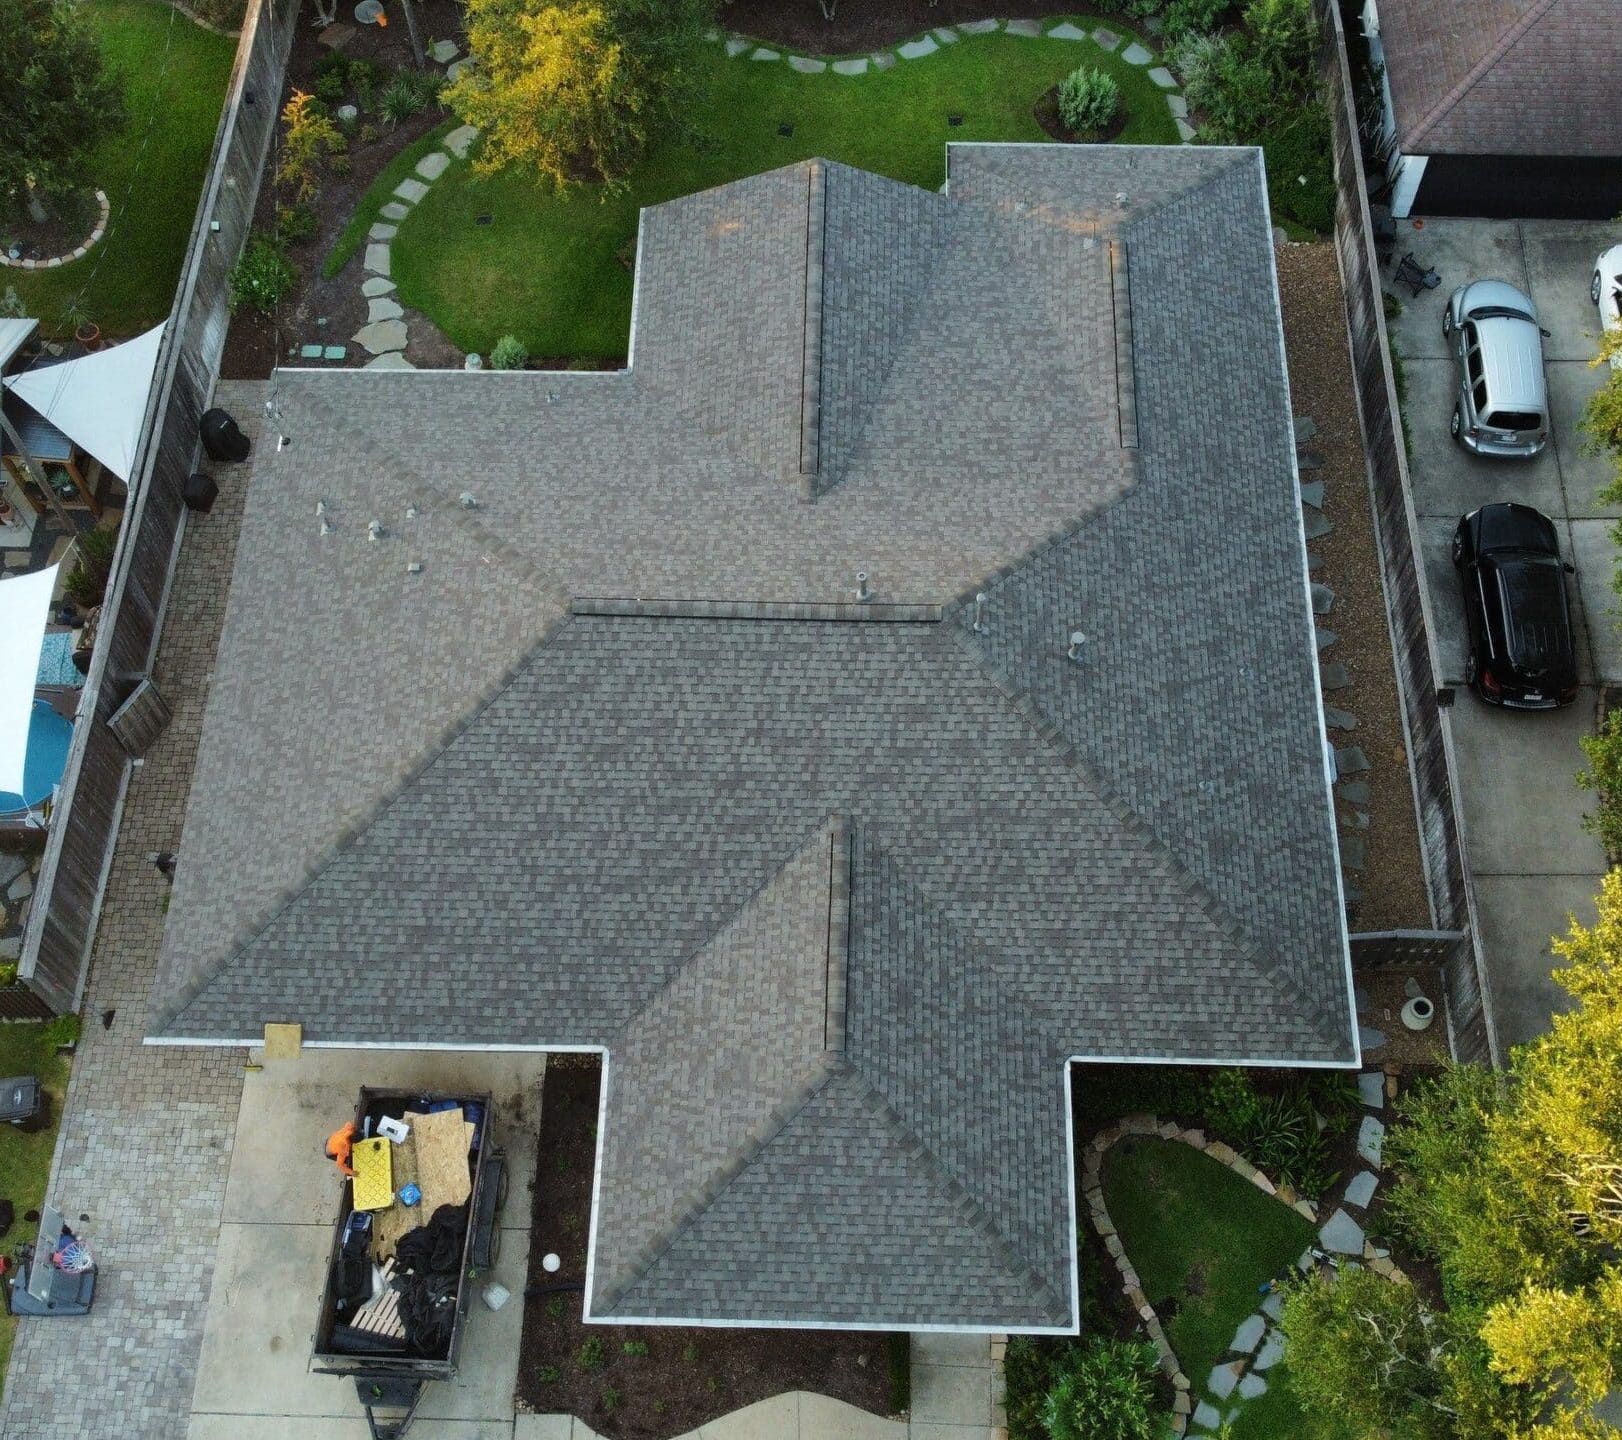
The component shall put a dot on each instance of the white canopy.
(25, 608)
(98, 401)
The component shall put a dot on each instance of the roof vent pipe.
(326, 526)
(320, 507)
(466, 500)
(374, 530)
(979, 626)
(1077, 640)
(862, 592)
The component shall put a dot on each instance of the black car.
(1521, 648)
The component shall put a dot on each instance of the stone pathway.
(1241, 1373)
(384, 335)
(934, 41)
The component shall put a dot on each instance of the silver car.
(1503, 405)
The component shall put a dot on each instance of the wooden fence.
(1403, 949)
(1430, 746)
(84, 826)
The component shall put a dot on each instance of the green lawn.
(25, 1160)
(545, 267)
(180, 98)
(1202, 1237)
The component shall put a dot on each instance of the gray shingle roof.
(499, 813)
(1504, 77)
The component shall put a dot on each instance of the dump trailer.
(402, 1268)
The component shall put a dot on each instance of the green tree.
(575, 89)
(57, 99)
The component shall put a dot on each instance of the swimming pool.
(48, 738)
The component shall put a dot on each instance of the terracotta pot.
(88, 334)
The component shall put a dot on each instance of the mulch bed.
(68, 223)
(252, 345)
(859, 26)
(670, 1380)
(1392, 885)
(1046, 113)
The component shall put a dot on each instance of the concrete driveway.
(1533, 864)
(281, 1201)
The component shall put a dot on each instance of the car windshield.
(1514, 420)
(1501, 312)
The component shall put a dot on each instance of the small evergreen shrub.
(370, 134)
(509, 354)
(1194, 17)
(294, 223)
(401, 100)
(263, 277)
(1088, 100)
(87, 581)
(329, 88)
(1107, 1393)
(1604, 774)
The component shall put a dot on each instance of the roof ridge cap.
(816, 234)
(1232, 161)
(1494, 53)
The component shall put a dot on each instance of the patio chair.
(1412, 274)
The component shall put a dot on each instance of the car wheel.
(1456, 424)
(1458, 553)
(1594, 288)
(1447, 322)
(1470, 675)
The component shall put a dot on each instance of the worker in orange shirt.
(339, 1144)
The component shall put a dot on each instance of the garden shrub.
(1196, 58)
(1300, 169)
(1285, 32)
(1088, 100)
(87, 581)
(509, 354)
(1185, 18)
(370, 134)
(368, 78)
(1107, 1392)
(222, 14)
(263, 277)
(401, 100)
(308, 136)
(1604, 774)
(329, 88)
(64, 1030)
(294, 223)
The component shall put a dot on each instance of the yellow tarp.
(374, 1174)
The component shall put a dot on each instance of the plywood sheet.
(442, 1141)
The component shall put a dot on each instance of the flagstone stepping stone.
(1224, 1377)
(460, 140)
(1105, 39)
(385, 335)
(1336, 677)
(1323, 599)
(1067, 31)
(1368, 1038)
(384, 309)
(1207, 1417)
(1312, 493)
(1350, 759)
(1371, 1135)
(1249, 1334)
(377, 258)
(1185, 131)
(946, 35)
(394, 210)
(882, 60)
(444, 51)
(1342, 1234)
(1360, 1190)
(1360, 820)
(858, 66)
(1273, 1307)
(376, 285)
(979, 27)
(764, 54)
(1136, 54)
(380, 231)
(1163, 78)
(1272, 1350)
(1318, 524)
(736, 45)
(1030, 28)
(1371, 1087)
(917, 49)
(1178, 107)
(410, 190)
(392, 361)
(1326, 638)
(1354, 852)
(336, 36)
(1339, 719)
(1305, 428)
(1252, 1386)
(805, 65)
(452, 72)
(434, 164)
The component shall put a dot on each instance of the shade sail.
(25, 607)
(98, 401)
(14, 334)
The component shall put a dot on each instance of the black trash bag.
(221, 437)
(427, 1270)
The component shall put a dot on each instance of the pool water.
(48, 738)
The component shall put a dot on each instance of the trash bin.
(200, 492)
(19, 1099)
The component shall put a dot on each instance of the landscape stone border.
(932, 42)
(1258, 1344)
(77, 253)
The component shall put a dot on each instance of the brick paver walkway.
(147, 1130)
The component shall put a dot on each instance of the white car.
(1606, 292)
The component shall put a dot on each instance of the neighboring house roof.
(614, 757)
(1504, 77)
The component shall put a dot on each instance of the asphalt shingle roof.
(838, 886)
(1504, 77)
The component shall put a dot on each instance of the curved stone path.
(76, 253)
(384, 335)
(933, 41)
(1258, 1343)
